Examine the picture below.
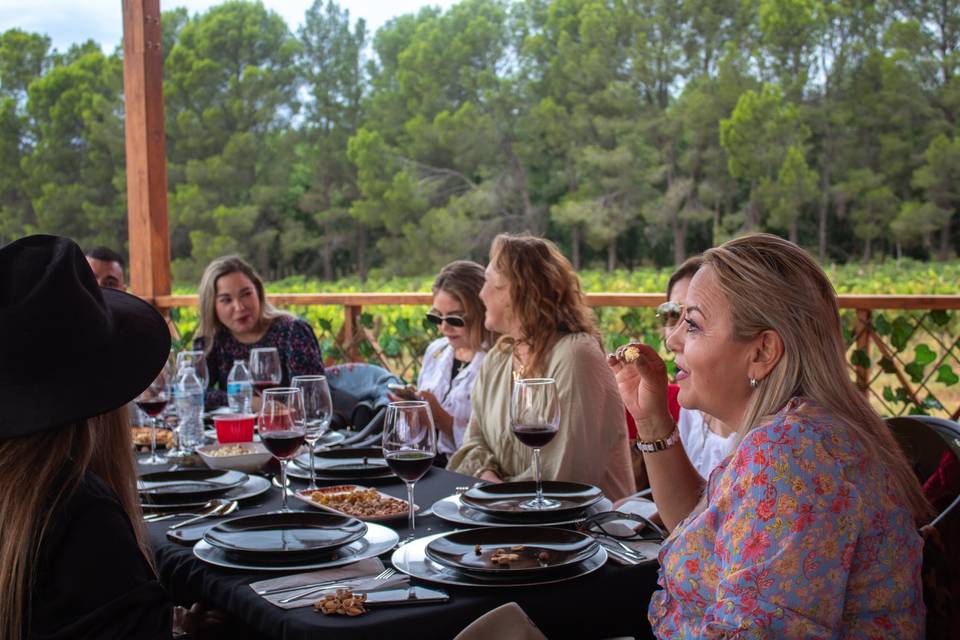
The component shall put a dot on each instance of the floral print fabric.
(801, 537)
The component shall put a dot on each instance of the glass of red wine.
(282, 427)
(152, 401)
(535, 420)
(409, 444)
(265, 368)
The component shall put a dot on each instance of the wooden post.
(148, 227)
(862, 330)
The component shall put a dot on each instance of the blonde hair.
(38, 474)
(462, 280)
(209, 324)
(772, 284)
(545, 294)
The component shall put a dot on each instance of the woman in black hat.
(74, 560)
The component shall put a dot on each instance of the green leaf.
(325, 324)
(940, 317)
(887, 365)
(366, 320)
(391, 346)
(946, 375)
(881, 325)
(888, 394)
(917, 411)
(671, 369)
(923, 355)
(932, 403)
(859, 358)
(915, 371)
(902, 330)
(366, 349)
(652, 340)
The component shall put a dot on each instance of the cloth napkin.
(355, 577)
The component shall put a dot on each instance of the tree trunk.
(866, 250)
(751, 221)
(612, 255)
(792, 232)
(679, 242)
(575, 246)
(361, 248)
(944, 252)
(824, 210)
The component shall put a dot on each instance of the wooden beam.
(148, 227)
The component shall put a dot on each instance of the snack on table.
(343, 603)
(231, 450)
(141, 437)
(360, 503)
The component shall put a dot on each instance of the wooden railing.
(878, 348)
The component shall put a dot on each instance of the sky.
(72, 21)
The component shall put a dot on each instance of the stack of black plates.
(188, 487)
(292, 540)
(341, 465)
(505, 501)
(505, 556)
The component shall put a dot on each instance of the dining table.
(609, 602)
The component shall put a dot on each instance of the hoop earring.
(754, 383)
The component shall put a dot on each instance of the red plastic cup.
(234, 427)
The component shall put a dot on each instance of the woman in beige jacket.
(533, 297)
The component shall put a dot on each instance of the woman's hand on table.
(643, 389)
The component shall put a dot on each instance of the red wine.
(282, 444)
(409, 465)
(152, 407)
(260, 385)
(534, 435)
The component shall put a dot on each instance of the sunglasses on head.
(453, 321)
(669, 313)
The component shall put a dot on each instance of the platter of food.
(354, 500)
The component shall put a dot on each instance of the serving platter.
(363, 500)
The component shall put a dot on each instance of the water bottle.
(239, 388)
(189, 408)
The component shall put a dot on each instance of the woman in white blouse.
(451, 362)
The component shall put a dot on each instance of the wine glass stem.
(283, 482)
(410, 507)
(153, 439)
(313, 473)
(536, 475)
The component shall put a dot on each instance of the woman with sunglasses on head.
(75, 561)
(533, 298)
(235, 317)
(810, 528)
(451, 362)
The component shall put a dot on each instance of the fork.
(386, 574)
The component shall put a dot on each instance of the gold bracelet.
(660, 444)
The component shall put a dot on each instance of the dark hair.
(105, 254)
(463, 279)
(686, 270)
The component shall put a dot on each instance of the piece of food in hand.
(629, 354)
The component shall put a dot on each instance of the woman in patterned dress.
(809, 529)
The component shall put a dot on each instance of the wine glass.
(318, 411)
(409, 444)
(265, 368)
(152, 401)
(282, 427)
(535, 419)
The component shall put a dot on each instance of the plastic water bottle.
(189, 408)
(239, 388)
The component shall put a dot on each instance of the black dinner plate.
(175, 486)
(355, 463)
(528, 549)
(285, 535)
(253, 487)
(503, 499)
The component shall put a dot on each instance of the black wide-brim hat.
(69, 350)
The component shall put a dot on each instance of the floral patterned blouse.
(801, 537)
(293, 338)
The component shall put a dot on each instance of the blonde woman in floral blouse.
(809, 529)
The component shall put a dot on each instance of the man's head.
(107, 266)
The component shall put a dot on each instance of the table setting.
(291, 566)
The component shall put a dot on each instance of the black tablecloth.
(610, 602)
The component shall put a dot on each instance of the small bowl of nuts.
(248, 457)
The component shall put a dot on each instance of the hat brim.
(76, 388)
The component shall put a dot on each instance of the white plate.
(412, 560)
(451, 510)
(253, 487)
(299, 495)
(379, 539)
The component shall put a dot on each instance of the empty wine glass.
(318, 411)
(265, 368)
(282, 427)
(152, 401)
(535, 419)
(409, 444)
